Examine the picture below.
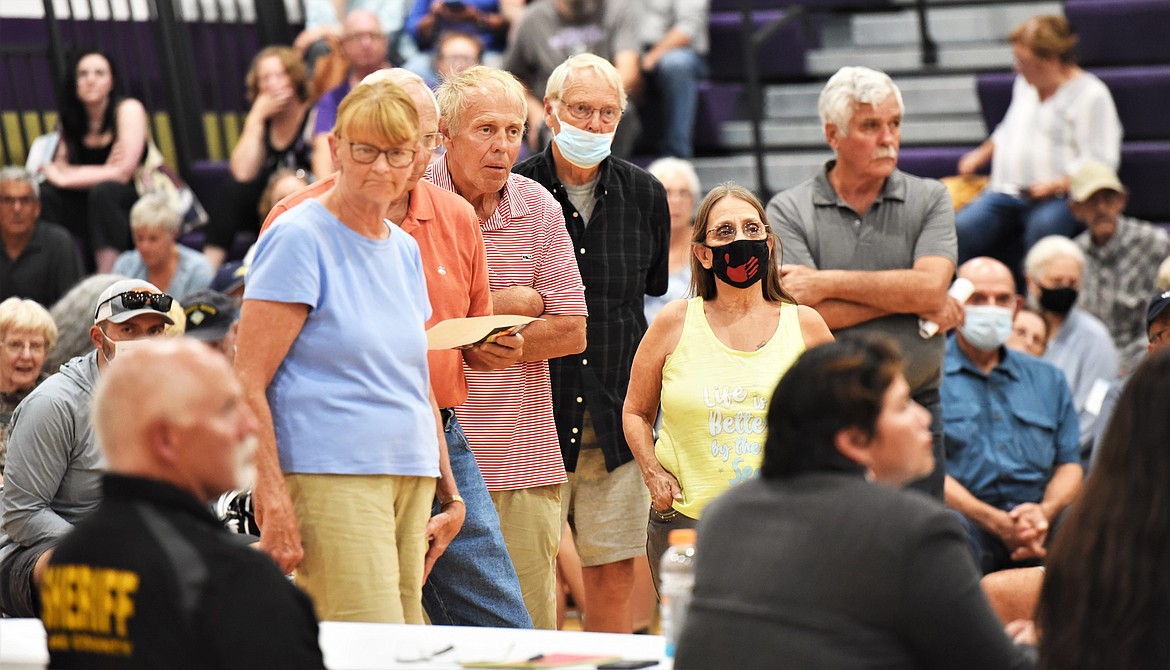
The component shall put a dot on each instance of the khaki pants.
(531, 523)
(365, 541)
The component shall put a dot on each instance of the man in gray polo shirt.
(870, 247)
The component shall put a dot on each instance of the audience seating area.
(1116, 43)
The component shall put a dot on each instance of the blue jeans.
(676, 84)
(1005, 227)
(473, 583)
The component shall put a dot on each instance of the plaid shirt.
(1118, 280)
(622, 255)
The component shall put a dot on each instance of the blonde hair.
(154, 210)
(1162, 280)
(563, 74)
(380, 111)
(20, 314)
(1047, 36)
(454, 92)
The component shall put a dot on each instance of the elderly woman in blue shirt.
(332, 355)
(157, 256)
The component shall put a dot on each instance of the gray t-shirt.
(583, 197)
(690, 16)
(544, 39)
(911, 219)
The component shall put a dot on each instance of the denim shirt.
(1006, 432)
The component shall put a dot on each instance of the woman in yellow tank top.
(711, 363)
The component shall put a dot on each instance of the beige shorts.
(365, 541)
(606, 510)
(530, 520)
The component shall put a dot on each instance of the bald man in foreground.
(152, 579)
(473, 583)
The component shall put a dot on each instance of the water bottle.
(677, 573)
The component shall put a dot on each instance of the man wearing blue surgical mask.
(1013, 463)
(54, 466)
(618, 217)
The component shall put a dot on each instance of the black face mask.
(1058, 300)
(741, 263)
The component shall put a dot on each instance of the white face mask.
(987, 327)
(581, 147)
(120, 347)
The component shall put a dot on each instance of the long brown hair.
(702, 279)
(1106, 596)
(293, 65)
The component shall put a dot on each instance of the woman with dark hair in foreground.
(1106, 596)
(822, 562)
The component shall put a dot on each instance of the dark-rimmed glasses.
(159, 302)
(367, 154)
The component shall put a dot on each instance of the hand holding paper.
(472, 331)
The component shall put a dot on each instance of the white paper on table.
(470, 331)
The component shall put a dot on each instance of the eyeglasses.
(431, 141)
(24, 200)
(369, 35)
(459, 59)
(366, 154)
(17, 347)
(726, 233)
(583, 112)
(159, 302)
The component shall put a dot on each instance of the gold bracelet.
(454, 498)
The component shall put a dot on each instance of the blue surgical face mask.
(987, 327)
(581, 147)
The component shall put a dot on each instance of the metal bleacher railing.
(184, 59)
(754, 41)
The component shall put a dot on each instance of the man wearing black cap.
(1158, 336)
(54, 466)
(211, 318)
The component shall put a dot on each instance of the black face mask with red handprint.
(741, 263)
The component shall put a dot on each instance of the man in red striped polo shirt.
(508, 416)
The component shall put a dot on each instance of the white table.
(353, 646)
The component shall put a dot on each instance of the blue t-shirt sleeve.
(286, 267)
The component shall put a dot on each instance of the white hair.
(16, 173)
(154, 210)
(404, 79)
(563, 74)
(1162, 280)
(671, 165)
(850, 87)
(1048, 249)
